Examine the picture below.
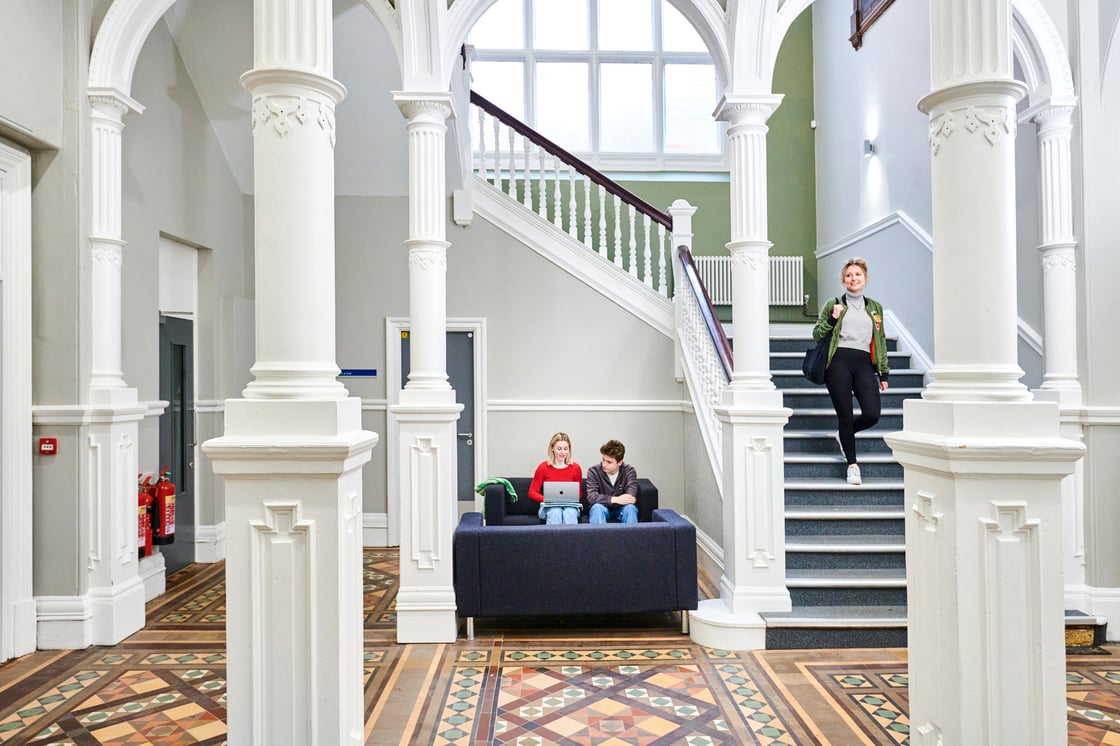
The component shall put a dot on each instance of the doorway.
(460, 373)
(176, 432)
(466, 371)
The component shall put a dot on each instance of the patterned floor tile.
(528, 682)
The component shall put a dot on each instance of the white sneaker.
(853, 474)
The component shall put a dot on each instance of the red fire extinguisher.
(144, 518)
(164, 509)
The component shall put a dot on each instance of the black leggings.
(851, 372)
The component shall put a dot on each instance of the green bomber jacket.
(826, 323)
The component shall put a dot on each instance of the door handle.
(466, 435)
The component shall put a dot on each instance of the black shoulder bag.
(816, 359)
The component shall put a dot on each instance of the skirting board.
(375, 529)
(210, 543)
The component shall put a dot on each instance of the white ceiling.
(215, 41)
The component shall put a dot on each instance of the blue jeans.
(554, 516)
(623, 513)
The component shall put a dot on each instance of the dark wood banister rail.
(581, 166)
(708, 311)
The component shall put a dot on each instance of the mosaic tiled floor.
(609, 681)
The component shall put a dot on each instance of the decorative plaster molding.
(108, 254)
(284, 111)
(431, 107)
(987, 120)
(428, 258)
(1065, 260)
(930, 520)
(752, 259)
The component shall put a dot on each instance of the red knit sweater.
(548, 473)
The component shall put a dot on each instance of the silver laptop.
(560, 493)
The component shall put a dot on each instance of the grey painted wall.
(32, 35)
(176, 181)
(868, 95)
(538, 318)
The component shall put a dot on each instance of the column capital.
(991, 92)
(110, 102)
(432, 105)
(747, 108)
(284, 81)
(1054, 119)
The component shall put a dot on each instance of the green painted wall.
(791, 174)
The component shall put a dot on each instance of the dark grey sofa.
(542, 570)
(500, 511)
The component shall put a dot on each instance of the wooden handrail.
(579, 165)
(708, 311)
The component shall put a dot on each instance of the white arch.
(706, 16)
(390, 19)
(119, 40)
(1035, 39)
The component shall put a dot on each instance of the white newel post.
(1059, 304)
(682, 213)
(293, 447)
(425, 417)
(752, 414)
(983, 461)
(115, 589)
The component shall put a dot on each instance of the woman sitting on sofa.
(558, 467)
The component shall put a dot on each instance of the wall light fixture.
(868, 149)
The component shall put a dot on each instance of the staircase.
(845, 544)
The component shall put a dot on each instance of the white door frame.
(393, 383)
(17, 600)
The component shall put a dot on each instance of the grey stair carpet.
(845, 544)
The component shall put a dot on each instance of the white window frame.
(657, 58)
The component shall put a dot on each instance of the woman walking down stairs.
(845, 543)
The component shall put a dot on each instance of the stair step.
(789, 343)
(824, 441)
(838, 616)
(871, 543)
(844, 513)
(879, 577)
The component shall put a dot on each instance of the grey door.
(460, 371)
(176, 432)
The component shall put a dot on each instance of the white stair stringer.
(569, 254)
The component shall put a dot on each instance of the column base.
(713, 625)
(153, 573)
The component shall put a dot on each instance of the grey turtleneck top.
(855, 331)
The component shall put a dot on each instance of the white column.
(1059, 265)
(1059, 304)
(750, 244)
(115, 591)
(293, 448)
(752, 415)
(983, 462)
(426, 414)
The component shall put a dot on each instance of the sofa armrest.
(466, 568)
(647, 500)
(684, 535)
(501, 511)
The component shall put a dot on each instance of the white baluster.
(662, 285)
(481, 144)
(633, 258)
(573, 216)
(497, 153)
(617, 231)
(511, 185)
(602, 221)
(527, 184)
(557, 213)
(542, 196)
(647, 269)
(587, 241)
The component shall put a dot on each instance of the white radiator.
(787, 283)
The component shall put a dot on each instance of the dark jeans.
(851, 372)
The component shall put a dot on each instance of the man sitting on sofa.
(611, 487)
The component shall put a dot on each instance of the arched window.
(626, 84)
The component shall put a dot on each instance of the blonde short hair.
(556, 439)
(857, 261)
